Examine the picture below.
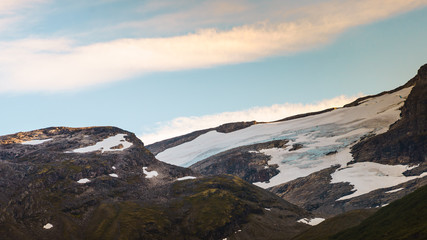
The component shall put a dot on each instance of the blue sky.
(163, 68)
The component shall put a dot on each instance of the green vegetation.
(336, 224)
(128, 220)
(199, 209)
(403, 219)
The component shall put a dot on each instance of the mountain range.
(358, 166)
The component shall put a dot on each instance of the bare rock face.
(245, 162)
(406, 141)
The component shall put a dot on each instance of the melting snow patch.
(369, 176)
(107, 145)
(394, 190)
(312, 221)
(385, 204)
(113, 175)
(410, 168)
(149, 174)
(36, 142)
(48, 226)
(268, 209)
(113, 167)
(186, 178)
(83, 180)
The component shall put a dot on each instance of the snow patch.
(385, 205)
(268, 209)
(114, 168)
(48, 226)
(107, 145)
(394, 190)
(311, 221)
(149, 174)
(186, 178)
(412, 167)
(36, 142)
(83, 181)
(368, 176)
(113, 175)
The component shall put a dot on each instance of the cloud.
(8, 7)
(9, 11)
(58, 64)
(184, 125)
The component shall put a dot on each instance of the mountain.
(366, 154)
(244, 180)
(102, 183)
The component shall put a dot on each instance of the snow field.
(373, 116)
(326, 139)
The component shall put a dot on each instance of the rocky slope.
(102, 183)
(245, 162)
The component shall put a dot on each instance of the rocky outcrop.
(406, 140)
(158, 147)
(314, 193)
(245, 162)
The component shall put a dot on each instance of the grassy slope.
(403, 219)
(207, 208)
(336, 224)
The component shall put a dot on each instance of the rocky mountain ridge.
(102, 183)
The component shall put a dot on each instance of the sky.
(165, 68)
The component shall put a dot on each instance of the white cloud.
(9, 10)
(57, 64)
(8, 7)
(184, 125)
